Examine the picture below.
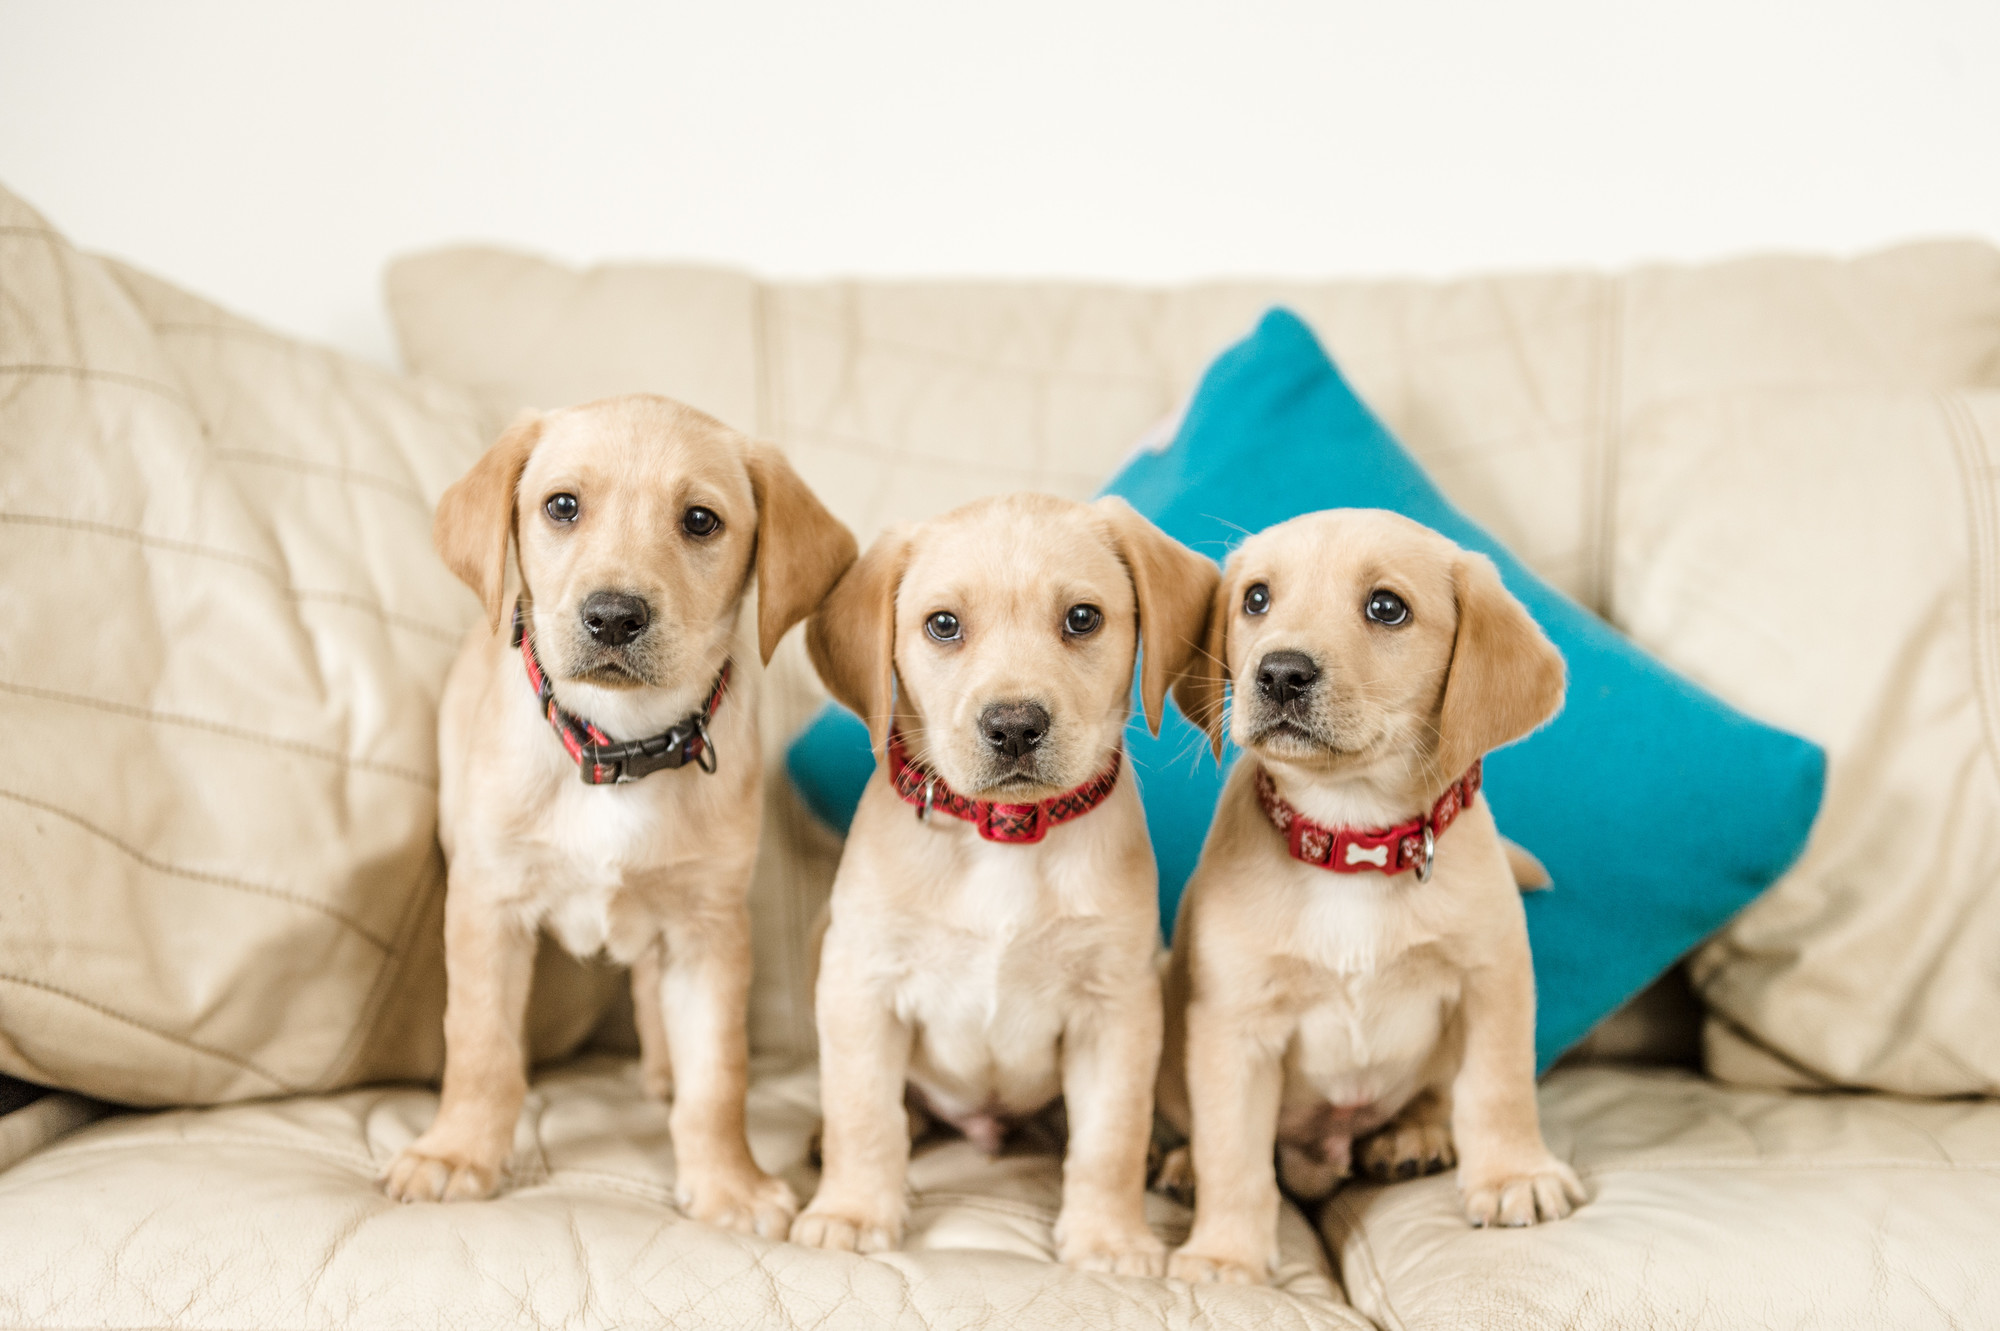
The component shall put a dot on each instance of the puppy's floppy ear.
(1174, 586)
(852, 636)
(1202, 691)
(801, 548)
(1506, 676)
(475, 518)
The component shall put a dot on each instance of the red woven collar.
(1389, 850)
(1012, 824)
(602, 761)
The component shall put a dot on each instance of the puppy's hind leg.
(1416, 1142)
(1311, 1171)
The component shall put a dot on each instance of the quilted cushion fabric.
(1519, 395)
(222, 635)
(269, 1215)
(1711, 1209)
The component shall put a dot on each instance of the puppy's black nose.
(1283, 676)
(614, 618)
(1013, 728)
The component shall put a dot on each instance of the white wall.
(272, 155)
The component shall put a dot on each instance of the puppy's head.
(1002, 636)
(1356, 641)
(638, 522)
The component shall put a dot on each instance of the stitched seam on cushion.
(1976, 473)
(196, 875)
(217, 728)
(333, 362)
(181, 1040)
(276, 577)
(167, 391)
(1371, 1270)
(324, 471)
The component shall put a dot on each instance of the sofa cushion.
(1832, 558)
(222, 636)
(270, 1215)
(1709, 1207)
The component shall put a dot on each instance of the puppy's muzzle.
(1285, 678)
(614, 619)
(1013, 731)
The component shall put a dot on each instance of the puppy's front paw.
(846, 1230)
(1407, 1150)
(428, 1172)
(1209, 1268)
(1100, 1245)
(749, 1202)
(1548, 1190)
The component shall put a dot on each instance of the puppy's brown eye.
(1387, 608)
(700, 522)
(943, 626)
(1257, 600)
(561, 508)
(1082, 620)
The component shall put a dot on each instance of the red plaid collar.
(1389, 850)
(602, 761)
(1012, 824)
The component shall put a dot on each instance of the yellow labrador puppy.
(1351, 956)
(994, 922)
(599, 765)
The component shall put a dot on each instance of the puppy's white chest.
(1353, 925)
(594, 836)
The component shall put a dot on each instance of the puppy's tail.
(1529, 875)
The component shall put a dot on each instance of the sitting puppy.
(1351, 956)
(994, 921)
(639, 523)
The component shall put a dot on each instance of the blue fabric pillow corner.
(1659, 810)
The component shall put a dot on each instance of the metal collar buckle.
(640, 758)
(1426, 861)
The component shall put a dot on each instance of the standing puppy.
(995, 918)
(1351, 956)
(639, 524)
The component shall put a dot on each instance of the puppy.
(632, 663)
(994, 920)
(1351, 956)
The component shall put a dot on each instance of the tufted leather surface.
(1709, 1208)
(269, 1215)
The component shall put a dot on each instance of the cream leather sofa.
(1779, 474)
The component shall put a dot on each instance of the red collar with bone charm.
(1389, 850)
(1012, 824)
(603, 761)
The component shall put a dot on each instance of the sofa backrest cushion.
(222, 636)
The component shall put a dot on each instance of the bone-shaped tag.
(1377, 856)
